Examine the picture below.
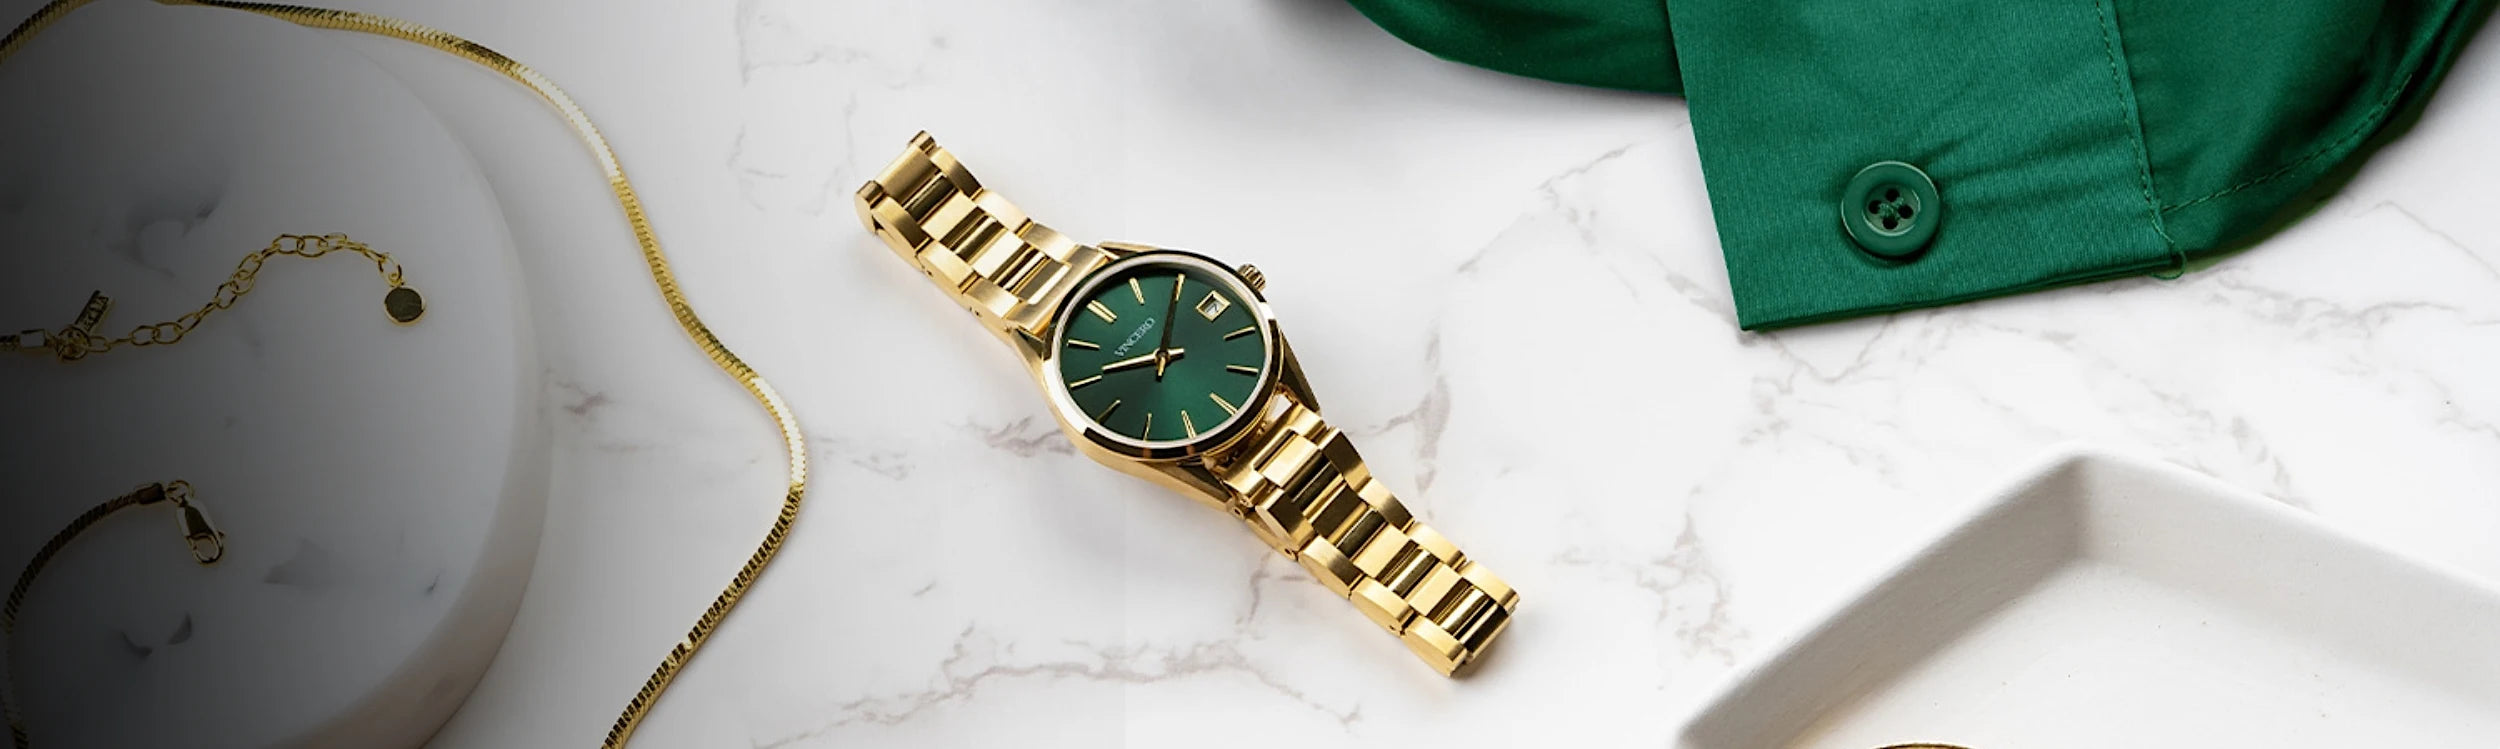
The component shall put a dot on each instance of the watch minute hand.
(1163, 349)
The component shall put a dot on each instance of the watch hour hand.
(1133, 362)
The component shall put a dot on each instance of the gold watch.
(1169, 365)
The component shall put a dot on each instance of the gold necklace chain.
(78, 340)
(794, 443)
(207, 546)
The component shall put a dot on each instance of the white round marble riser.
(381, 486)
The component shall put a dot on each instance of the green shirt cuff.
(2021, 117)
(2066, 142)
(1865, 157)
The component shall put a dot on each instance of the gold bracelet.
(1303, 490)
(1009, 270)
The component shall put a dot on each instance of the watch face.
(1162, 351)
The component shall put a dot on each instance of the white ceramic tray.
(2106, 602)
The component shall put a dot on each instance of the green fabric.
(2070, 141)
(1609, 43)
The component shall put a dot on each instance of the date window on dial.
(1213, 306)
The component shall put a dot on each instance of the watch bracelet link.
(1010, 271)
(1304, 490)
(1294, 479)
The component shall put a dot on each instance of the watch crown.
(1250, 274)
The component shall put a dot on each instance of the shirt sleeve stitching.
(2127, 120)
(2369, 122)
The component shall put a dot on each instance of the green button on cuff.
(1891, 210)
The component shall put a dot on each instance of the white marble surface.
(381, 487)
(1509, 291)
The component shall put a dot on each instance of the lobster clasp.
(208, 545)
(67, 344)
(32, 341)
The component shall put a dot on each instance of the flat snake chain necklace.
(793, 442)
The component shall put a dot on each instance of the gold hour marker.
(1192, 429)
(1140, 291)
(1115, 406)
(1101, 311)
(1219, 400)
(1238, 369)
(1147, 432)
(1087, 345)
(1245, 330)
(1178, 281)
(1085, 382)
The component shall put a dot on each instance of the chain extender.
(78, 340)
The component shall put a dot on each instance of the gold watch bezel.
(1083, 424)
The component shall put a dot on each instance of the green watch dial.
(1162, 352)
